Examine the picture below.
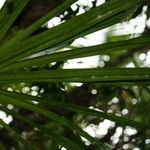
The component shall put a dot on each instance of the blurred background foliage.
(128, 101)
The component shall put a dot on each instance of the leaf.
(105, 48)
(65, 31)
(16, 51)
(59, 119)
(9, 18)
(16, 135)
(75, 108)
(103, 75)
(67, 143)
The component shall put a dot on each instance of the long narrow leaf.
(75, 108)
(9, 18)
(60, 119)
(67, 143)
(102, 25)
(23, 34)
(13, 133)
(105, 48)
(54, 36)
(58, 10)
(106, 75)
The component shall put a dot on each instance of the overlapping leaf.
(24, 44)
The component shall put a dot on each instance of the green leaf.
(67, 143)
(54, 36)
(59, 119)
(14, 134)
(15, 52)
(75, 108)
(102, 75)
(105, 48)
(9, 18)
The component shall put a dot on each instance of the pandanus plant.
(20, 41)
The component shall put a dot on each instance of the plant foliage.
(18, 66)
